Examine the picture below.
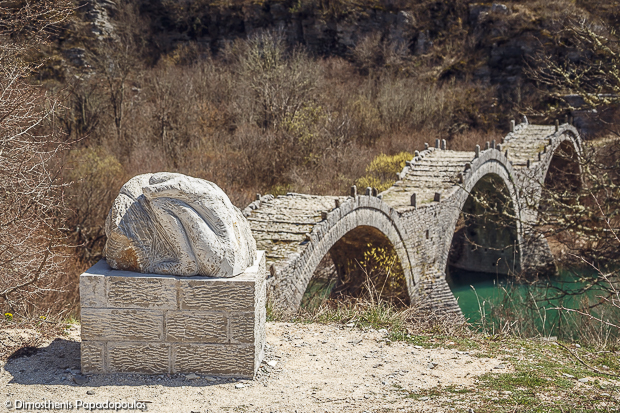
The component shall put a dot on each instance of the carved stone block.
(208, 295)
(242, 327)
(92, 353)
(110, 324)
(197, 326)
(130, 290)
(151, 358)
(168, 223)
(231, 360)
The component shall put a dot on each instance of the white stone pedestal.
(155, 324)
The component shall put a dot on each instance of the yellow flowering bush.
(381, 173)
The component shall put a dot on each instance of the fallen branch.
(586, 364)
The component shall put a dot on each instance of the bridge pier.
(537, 258)
(433, 294)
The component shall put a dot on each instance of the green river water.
(479, 293)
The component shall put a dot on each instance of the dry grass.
(401, 322)
(371, 295)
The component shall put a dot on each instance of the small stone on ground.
(80, 379)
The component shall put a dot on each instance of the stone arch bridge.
(422, 217)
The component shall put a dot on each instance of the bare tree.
(116, 60)
(584, 61)
(577, 209)
(31, 201)
(579, 200)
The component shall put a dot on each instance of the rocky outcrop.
(99, 14)
(323, 32)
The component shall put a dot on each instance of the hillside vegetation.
(277, 96)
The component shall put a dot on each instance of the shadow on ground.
(44, 365)
(59, 364)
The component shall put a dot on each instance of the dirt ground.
(307, 368)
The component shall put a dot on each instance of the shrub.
(97, 177)
(280, 81)
(381, 172)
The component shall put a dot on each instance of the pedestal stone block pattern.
(211, 295)
(122, 325)
(197, 326)
(137, 357)
(242, 328)
(218, 360)
(151, 323)
(142, 292)
(92, 356)
(92, 293)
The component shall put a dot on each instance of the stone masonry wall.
(156, 324)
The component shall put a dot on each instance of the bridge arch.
(493, 175)
(361, 211)
(562, 153)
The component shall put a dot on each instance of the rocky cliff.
(487, 42)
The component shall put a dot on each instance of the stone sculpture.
(168, 223)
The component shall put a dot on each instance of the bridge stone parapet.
(422, 215)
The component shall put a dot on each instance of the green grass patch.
(510, 381)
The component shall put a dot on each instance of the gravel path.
(307, 368)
